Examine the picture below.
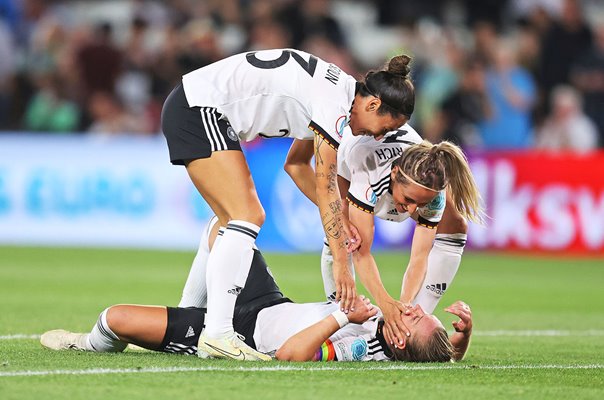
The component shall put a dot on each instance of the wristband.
(341, 318)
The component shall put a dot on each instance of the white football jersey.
(275, 93)
(276, 324)
(366, 163)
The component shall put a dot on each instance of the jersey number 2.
(309, 66)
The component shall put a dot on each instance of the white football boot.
(231, 346)
(60, 339)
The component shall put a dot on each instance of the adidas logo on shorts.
(190, 332)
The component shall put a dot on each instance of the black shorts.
(260, 291)
(194, 132)
(184, 328)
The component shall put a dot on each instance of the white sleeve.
(360, 193)
(345, 145)
(329, 122)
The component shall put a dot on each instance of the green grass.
(42, 289)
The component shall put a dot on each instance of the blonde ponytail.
(465, 193)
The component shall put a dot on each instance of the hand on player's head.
(362, 310)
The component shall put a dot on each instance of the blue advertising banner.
(123, 192)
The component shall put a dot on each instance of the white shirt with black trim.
(367, 163)
(354, 342)
(275, 93)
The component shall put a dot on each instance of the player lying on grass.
(272, 324)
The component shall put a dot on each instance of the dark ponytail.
(392, 86)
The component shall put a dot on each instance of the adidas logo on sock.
(438, 288)
(190, 332)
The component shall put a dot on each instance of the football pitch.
(538, 331)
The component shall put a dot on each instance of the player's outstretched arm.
(335, 224)
(298, 167)
(303, 345)
(423, 238)
(463, 329)
(367, 269)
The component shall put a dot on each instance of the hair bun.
(399, 65)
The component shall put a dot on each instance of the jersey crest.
(341, 124)
(371, 196)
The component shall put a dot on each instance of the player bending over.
(401, 177)
(274, 325)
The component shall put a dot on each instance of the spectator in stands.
(588, 76)
(99, 62)
(50, 110)
(567, 128)
(170, 38)
(511, 94)
(111, 118)
(439, 79)
(134, 83)
(465, 108)
(311, 17)
(567, 39)
(7, 71)
(269, 34)
(485, 41)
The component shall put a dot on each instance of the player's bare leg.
(225, 182)
(117, 326)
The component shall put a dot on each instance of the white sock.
(228, 267)
(329, 283)
(195, 292)
(102, 339)
(443, 263)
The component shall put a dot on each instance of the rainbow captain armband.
(326, 352)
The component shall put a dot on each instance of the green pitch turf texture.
(539, 332)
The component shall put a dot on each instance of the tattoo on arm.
(333, 225)
(332, 177)
(318, 142)
(336, 206)
(332, 218)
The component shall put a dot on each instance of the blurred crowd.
(489, 74)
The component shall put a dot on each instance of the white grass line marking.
(19, 336)
(536, 333)
(552, 332)
(279, 368)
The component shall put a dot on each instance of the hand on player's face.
(395, 329)
(362, 310)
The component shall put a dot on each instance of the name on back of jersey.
(386, 154)
(333, 73)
